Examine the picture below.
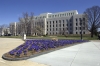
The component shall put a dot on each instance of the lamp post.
(81, 30)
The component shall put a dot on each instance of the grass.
(86, 37)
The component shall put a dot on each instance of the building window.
(80, 28)
(56, 21)
(70, 32)
(80, 32)
(70, 20)
(80, 19)
(47, 29)
(69, 14)
(52, 15)
(56, 29)
(50, 22)
(70, 28)
(60, 29)
(53, 25)
(50, 29)
(66, 20)
(47, 22)
(53, 22)
(56, 25)
(59, 21)
(65, 14)
(50, 25)
(84, 32)
(53, 33)
(76, 28)
(76, 32)
(70, 24)
(63, 28)
(53, 29)
(63, 25)
(63, 21)
(83, 28)
(67, 24)
(58, 15)
(67, 28)
(76, 19)
(55, 15)
(47, 26)
(76, 24)
(83, 19)
(50, 33)
(59, 25)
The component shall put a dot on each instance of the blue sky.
(11, 10)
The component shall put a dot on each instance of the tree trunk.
(92, 33)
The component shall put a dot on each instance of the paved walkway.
(7, 44)
(84, 54)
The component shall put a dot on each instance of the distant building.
(68, 22)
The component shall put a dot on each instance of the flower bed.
(32, 47)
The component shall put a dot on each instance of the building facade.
(68, 22)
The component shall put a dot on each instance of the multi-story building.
(68, 22)
(13, 28)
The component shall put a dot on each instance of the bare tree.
(3, 29)
(93, 16)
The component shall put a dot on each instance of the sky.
(11, 10)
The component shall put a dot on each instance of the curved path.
(7, 44)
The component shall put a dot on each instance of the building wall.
(56, 23)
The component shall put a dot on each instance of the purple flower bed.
(39, 45)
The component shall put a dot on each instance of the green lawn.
(50, 37)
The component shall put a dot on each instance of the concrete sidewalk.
(7, 44)
(84, 54)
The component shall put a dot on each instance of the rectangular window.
(67, 24)
(76, 19)
(63, 21)
(70, 20)
(56, 21)
(76, 28)
(59, 25)
(70, 24)
(56, 29)
(53, 29)
(83, 19)
(76, 24)
(53, 25)
(63, 25)
(59, 21)
(47, 29)
(83, 28)
(84, 32)
(66, 20)
(63, 28)
(47, 22)
(80, 28)
(50, 25)
(56, 25)
(50, 22)
(50, 29)
(53, 22)
(76, 32)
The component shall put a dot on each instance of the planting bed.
(34, 47)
